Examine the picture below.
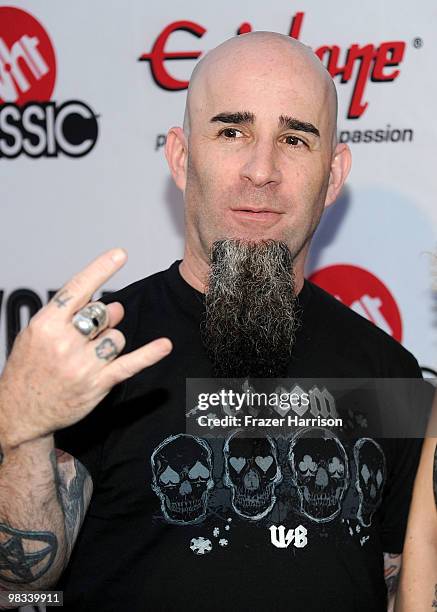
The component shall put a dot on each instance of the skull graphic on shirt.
(320, 472)
(252, 472)
(371, 474)
(182, 477)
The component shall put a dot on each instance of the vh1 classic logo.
(361, 63)
(29, 122)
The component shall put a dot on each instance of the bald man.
(208, 522)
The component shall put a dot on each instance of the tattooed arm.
(392, 567)
(44, 494)
(75, 488)
(53, 378)
(418, 583)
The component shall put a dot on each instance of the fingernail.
(118, 255)
(166, 346)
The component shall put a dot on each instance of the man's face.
(259, 150)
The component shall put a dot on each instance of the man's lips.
(256, 214)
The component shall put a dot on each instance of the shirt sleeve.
(405, 455)
(396, 503)
(404, 462)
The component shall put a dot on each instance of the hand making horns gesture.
(65, 362)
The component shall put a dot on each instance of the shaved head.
(262, 51)
(257, 158)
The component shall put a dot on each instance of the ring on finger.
(91, 319)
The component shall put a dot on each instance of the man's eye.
(231, 133)
(294, 141)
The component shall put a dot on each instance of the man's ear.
(176, 151)
(340, 166)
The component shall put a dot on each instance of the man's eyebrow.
(243, 117)
(285, 121)
(291, 123)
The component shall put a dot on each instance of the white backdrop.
(385, 222)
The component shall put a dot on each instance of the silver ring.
(91, 319)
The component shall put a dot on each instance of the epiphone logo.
(360, 63)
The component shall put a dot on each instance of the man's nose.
(261, 167)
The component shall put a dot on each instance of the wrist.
(14, 429)
(11, 446)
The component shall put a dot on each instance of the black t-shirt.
(180, 521)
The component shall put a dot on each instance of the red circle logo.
(27, 58)
(363, 292)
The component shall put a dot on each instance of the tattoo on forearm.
(74, 483)
(25, 555)
(106, 349)
(434, 601)
(62, 298)
(392, 585)
(392, 566)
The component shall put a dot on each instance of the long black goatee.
(251, 309)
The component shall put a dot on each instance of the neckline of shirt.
(197, 298)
